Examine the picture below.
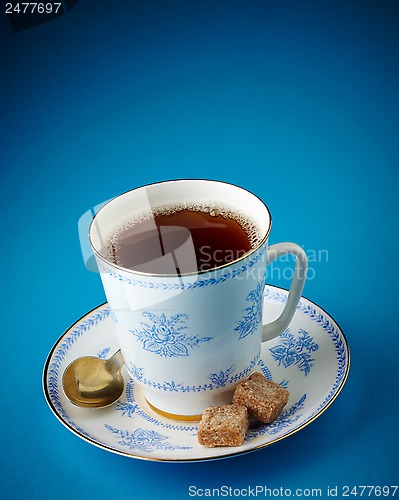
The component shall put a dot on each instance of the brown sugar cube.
(264, 399)
(223, 426)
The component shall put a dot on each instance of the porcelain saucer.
(310, 359)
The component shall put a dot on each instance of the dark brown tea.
(181, 241)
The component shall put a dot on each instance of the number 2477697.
(32, 7)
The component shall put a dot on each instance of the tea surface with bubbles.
(181, 241)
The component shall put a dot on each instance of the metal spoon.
(92, 382)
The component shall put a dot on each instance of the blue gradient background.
(296, 101)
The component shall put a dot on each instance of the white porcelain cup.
(187, 340)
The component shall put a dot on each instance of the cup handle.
(276, 327)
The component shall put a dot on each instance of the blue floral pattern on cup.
(217, 380)
(220, 379)
(252, 314)
(163, 336)
(184, 285)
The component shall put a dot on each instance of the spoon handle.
(115, 362)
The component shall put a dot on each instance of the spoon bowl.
(92, 382)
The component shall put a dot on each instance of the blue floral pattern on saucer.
(131, 428)
(143, 440)
(295, 350)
